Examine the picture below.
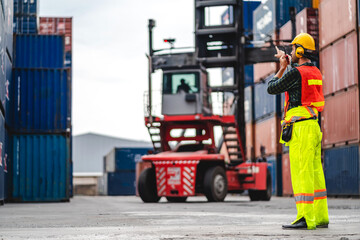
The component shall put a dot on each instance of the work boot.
(301, 224)
(323, 225)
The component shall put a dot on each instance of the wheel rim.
(219, 184)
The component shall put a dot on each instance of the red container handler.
(340, 118)
(286, 175)
(57, 26)
(336, 19)
(339, 64)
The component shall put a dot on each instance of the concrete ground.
(130, 218)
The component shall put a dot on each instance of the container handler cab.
(186, 161)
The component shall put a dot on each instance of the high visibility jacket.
(312, 98)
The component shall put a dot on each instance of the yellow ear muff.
(299, 52)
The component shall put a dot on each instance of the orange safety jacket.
(311, 91)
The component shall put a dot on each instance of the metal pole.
(151, 52)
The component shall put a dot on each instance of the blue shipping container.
(26, 7)
(248, 9)
(40, 169)
(124, 159)
(264, 103)
(39, 51)
(342, 170)
(40, 101)
(8, 9)
(121, 183)
(274, 166)
(3, 166)
(273, 14)
(25, 25)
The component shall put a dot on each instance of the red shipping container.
(339, 64)
(262, 70)
(285, 32)
(340, 118)
(267, 134)
(307, 21)
(286, 175)
(336, 18)
(58, 26)
(249, 130)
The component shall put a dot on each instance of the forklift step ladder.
(154, 132)
(231, 141)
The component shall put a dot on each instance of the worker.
(183, 86)
(304, 100)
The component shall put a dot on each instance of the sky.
(110, 69)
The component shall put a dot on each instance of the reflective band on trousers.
(320, 194)
(304, 198)
(314, 82)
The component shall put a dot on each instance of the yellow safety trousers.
(307, 174)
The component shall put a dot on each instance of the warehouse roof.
(89, 150)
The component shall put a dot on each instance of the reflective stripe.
(318, 104)
(320, 194)
(314, 82)
(311, 111)
(304, 198)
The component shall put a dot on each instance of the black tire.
(262, 195)
(176, 199)
(215, 184)
(147, 186)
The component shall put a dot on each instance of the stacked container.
(39, 117)
(339, 62)
(26, 16)
(119, 176)
(6, 41)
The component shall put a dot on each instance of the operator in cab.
(304, 100)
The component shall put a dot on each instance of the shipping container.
(267, 135)
(121, 183)
(307, 21)
(26, 7)
(4, 84)
(339, 64)
(248, 10)
(2, 60)
(340, 118)
(249, 131)
(265, 104)
(40, 101)
(273, 14)
(286, 176)
(39, 166)
(124, 159)
(3, 166)
(342, 173)
(274, 166)
(25, 24)
(335, 26)
(9, 10)
(140, 166)
(263, 70)
(39, 51)
(57, 26)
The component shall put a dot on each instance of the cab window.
(181, 82)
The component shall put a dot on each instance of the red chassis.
(196, 169)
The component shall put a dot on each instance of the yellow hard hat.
(305, 40)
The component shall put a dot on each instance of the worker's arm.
(279, 85)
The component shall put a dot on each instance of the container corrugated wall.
(339, 64)
(25, 18)
(273, 14)
(33, 51)
(3, 167)
(121, 183)
(340, 118)
(267, 134)
(9, 14)
(40, 101)
(124, 159)
(39, 168)
(265, 104)
(335, 26)
(342, 171)
(27, 7)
